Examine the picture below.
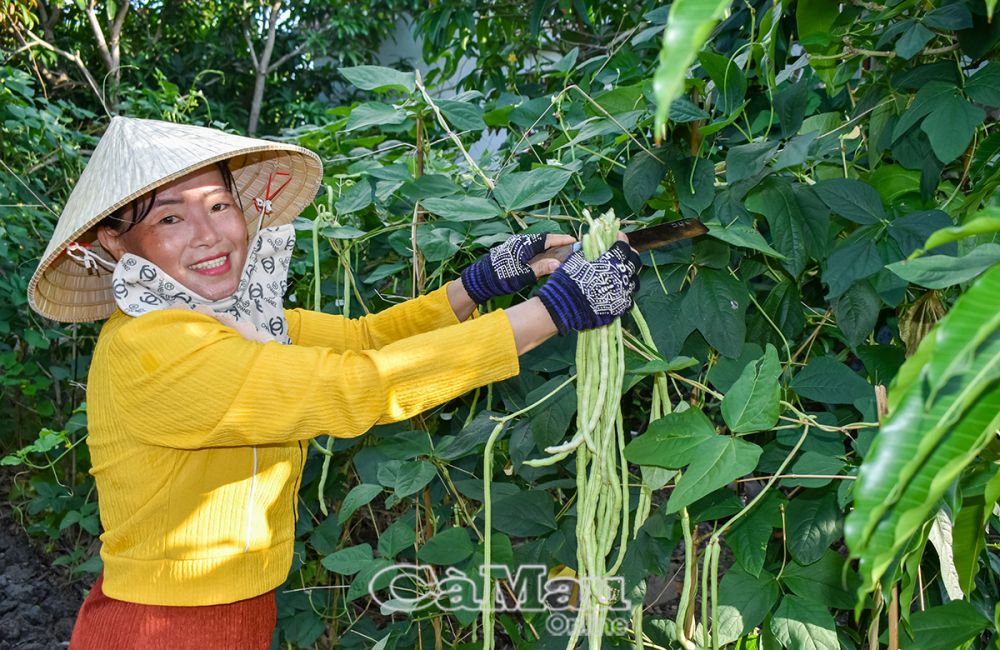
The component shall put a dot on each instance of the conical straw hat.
(135, 156)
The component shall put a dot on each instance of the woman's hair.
(142, 206)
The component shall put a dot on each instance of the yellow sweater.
(197, 434)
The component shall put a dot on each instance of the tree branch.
(74, 57)
(253, 53)
(102, 43)
(291, 55)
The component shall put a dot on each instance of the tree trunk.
(262, 65)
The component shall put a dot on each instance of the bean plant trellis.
(846, 161)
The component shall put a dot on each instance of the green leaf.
(397, 537)
(989, 222)
(462, 116)
(980, 492)
(950, 128)
(730, 82)
(947, 626)
(642, 177)
(857, 312)
(694, 182)
(341, 232)
(822, 581)
(326, 535)
(522, 189)
(688, 25)
(413, 476)
(931, 97)
(854, 258)
(812, 462)
(359, 495)
(683, 111)
(378, 78)
(348, 561)
(462, 208)
(449, 546)
(374, 114)
(596, 192)
(813, 521)
(357, 197)
(373, 575)
(801, 624)
(738, 233)
(940, 271)
(790, 105)
(796, 235)
(717, 462)
(851, 199)
(549, 424)
(36, 339)
(717, 303)
(750, 535)
(826, 380)
(984, 86)
(914, 231)
(950, 17)
(752, 403)
(913, 40)
(429, 186)
(671, 441)
(744, 601)
(746, 160)
(524, 514)
(438, 244)
(944, 406)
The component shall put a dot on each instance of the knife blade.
(641, 240)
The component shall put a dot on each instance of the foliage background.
(822, 144)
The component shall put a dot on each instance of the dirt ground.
(38, 602)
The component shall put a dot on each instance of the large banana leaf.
(944, 407)
(688, 25)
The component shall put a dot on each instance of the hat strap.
(264, 203)
(82, 253)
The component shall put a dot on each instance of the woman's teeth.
(210, 264)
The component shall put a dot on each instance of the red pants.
(108, 624)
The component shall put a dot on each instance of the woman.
(204, 390)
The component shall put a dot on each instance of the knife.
(641, 240)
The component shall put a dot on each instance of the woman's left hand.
(505, 268)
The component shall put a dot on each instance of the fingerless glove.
(582, 295)
(504, 269)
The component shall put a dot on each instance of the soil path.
(38, 602)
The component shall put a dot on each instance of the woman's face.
(195, 232)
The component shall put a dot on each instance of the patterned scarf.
(141, 287)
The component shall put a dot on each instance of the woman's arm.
(181, 379)
(424, 314)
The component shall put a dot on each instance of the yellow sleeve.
(424, 314)
(181, 379)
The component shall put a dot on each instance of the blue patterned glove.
(504, 269)
(582, 295)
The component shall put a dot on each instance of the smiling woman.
(203, 388)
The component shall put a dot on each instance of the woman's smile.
(213, 266)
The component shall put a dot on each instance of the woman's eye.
(169, 219)
(219, 207)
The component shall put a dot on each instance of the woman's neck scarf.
(141, 287)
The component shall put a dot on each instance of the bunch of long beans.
(601, 470)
